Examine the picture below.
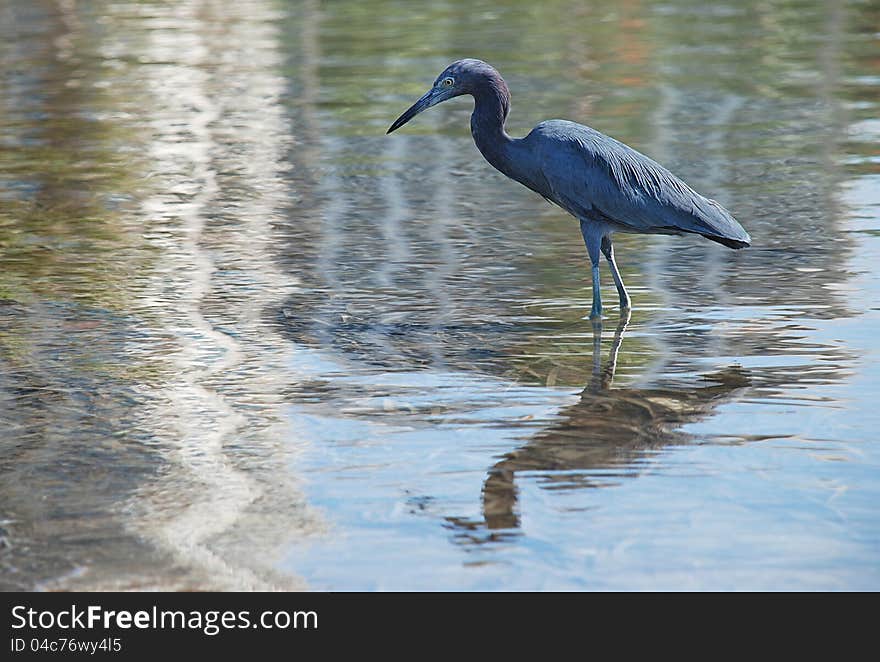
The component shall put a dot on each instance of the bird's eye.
(447, 82)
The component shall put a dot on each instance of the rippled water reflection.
(249, 341)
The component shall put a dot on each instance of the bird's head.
(461, 77)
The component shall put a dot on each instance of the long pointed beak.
(431, 98)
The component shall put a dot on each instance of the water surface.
(247, 341)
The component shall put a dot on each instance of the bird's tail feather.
(730, 243)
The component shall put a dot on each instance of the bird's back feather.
(593, 176)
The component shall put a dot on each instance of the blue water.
(247, 341)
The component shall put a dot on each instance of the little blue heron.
(608, 186)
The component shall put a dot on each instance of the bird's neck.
(491, 105)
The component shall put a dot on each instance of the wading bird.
(608, 186)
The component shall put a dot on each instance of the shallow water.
(249, 341)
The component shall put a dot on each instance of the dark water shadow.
(407, 344)
(605, 436)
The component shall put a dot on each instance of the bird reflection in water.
(605, 435)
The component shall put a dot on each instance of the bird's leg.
(608, 252)
(596, 311)
(593, 241)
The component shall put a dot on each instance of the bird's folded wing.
(594, 176)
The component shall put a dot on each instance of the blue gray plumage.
(608, 186)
